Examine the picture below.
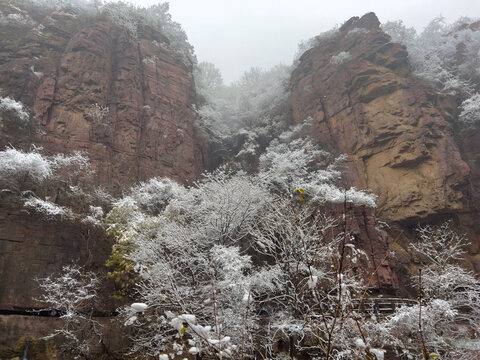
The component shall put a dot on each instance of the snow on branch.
(19, 164)
(48, 209)
(72, 293)
(470, 109)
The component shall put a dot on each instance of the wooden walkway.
(381, 306)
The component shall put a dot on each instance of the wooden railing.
(382, 306)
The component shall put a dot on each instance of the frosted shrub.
(154, 195)
(451, 300)
(47, 208)
(98, 112)
(71, 167)
(8, 105)
(16, 19)
(332, 194)
(470, 109)
(55, 186)
(18, 166)
(95, 215)
(324, 37)
(341, 58)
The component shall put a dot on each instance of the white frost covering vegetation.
(193, 256)
(341, 58)
(206, 289)
(8, 104)
(16, 19)
(20, 169)
(40, 180)
(72, 294)
(451, 300)
(470, 109)
(47, 208)
(38, 167)
(155, 194)
(16, 163)
(243, 104)
(291, 165)
(324, 37)
(446, 55)
(131, 17)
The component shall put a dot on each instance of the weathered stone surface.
(399, 141)
(22, 334)
(32, 247)
(64, 70)
(361, 224)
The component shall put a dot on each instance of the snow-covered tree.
(226, 259)
(72, 295)
(445, 55)
(302, 167)
(309, 299)
(208, 80)
(447, 321)
(470, 109)
(248, 103)
(54, 186)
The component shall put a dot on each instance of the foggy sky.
(236, 35)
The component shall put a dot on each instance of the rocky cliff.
(91, 86)
(358, 92)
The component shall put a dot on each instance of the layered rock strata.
(91, 86)
(360, 98)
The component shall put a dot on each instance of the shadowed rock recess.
(128, 103)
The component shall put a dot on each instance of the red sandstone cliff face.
(362, 226)
(64, 68)
(400, 143)
(400, 136)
